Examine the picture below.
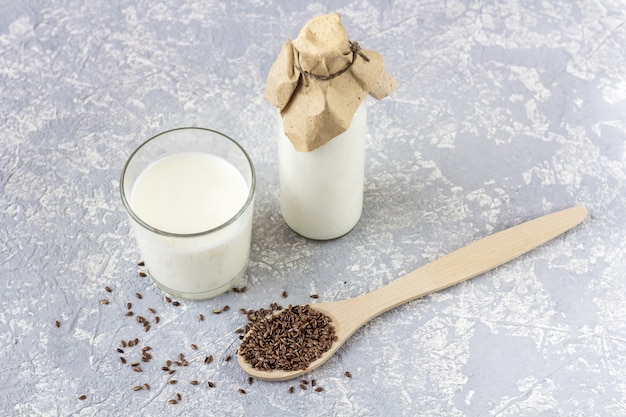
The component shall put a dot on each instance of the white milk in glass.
(189, 193)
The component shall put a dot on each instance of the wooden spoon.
(474, 259)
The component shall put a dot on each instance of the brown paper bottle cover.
(319, 80)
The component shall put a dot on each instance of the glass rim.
(231, 220)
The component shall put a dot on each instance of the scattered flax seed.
(303, 387)
(82, 397)
(104, 301)
(179, 396)
(172, 371)
(129, 306)
(108, 289)
(228, 358)
(129, 313)
(211, 384)
(141, 263)
(319, 389)
(291, 389)
(208, 359)
(122, 359)
(194, 346)
(123, 343)
(194, 382)
(241, 391)
(57, 324)
(304, 381)
(138, 295)
(168, 363)
(348, 374)
(153, 311)
(175, 303)
(226, 308)
(136, 341)
(239, 331)
(146, 386)
(165, 368)
(172, 401)
(157, 319)
(200, 317)
(142, 274)
(120, 350)
(137, 369)
(173, 382)
(217, 311)
(250, 380)
(137, 388)
(134, 364)
(315, 296)
(289, 340)
(284, 294)
(168, 299)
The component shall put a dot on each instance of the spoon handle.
(465, 263)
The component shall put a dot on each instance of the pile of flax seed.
(289, 340)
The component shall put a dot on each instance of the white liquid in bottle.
(321, 192)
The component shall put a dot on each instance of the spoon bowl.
(347, 316)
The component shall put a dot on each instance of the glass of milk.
(189, 194)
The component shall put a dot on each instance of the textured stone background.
(506, 110)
